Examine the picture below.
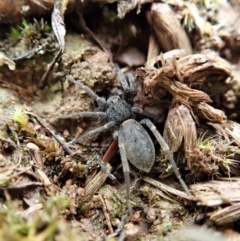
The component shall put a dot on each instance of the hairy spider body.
(118, 110)
(134, 142)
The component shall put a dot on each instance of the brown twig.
(106, 214)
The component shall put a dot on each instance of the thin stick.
(106, 214)
(58, 139)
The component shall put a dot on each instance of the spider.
(134, 141)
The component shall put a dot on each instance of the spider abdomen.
(139, 147)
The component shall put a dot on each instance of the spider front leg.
(101, 101)
(88, 114)
(166, 150)
(126, 171)
(128, 85)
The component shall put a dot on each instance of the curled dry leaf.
(193, 71)
(168, 30)
(193, 68)
(157, 84)
(5, 60)
(58, 22)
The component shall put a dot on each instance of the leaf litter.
(190, 77)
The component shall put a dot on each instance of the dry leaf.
(58, 22)
(5, 60)
(169, 32)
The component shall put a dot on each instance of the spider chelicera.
(134, 142)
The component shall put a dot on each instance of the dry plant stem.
(119, 229)
(106, 214)
(46, 182)
(166, 188)
(167, 197)
(36, 154)
(153, 49)
(35, 50)
(50, 67)
(30, 173)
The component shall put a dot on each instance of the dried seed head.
(180, 126)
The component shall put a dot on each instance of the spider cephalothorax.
(118, 110)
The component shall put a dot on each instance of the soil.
(185, 63)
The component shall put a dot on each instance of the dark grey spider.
(134, 142)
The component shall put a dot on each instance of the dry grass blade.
(233, 130)
(167, 189)
(93, 186)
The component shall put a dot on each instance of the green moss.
(42, 225)
(15, 33)
(20, 117)
(109, 14)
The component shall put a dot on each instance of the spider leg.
(101, 101)
(126, 171)
(166, 150)
(132, 84)
(105, 127)
(128, 85)
(88, 114)
(144, 112)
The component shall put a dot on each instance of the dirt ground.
(56, 185)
